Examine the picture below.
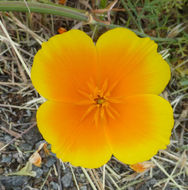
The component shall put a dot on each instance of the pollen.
(99, 100)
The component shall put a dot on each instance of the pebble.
(130, 188)
(6, 159)
(45, 169)
(38, 171)
(17, 188)
(33, 136)
(83, 187)
(7, 138)
(152, 182)
(82, 178)
(29, 188)
(54, 185)
(13, 181)
(25, 146)
(67, 180)
(39, 143)
(18, 158)
(50, 161)
(15, 155)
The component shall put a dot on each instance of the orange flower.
(102, 99)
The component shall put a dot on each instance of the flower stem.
(20, 6)
(68, 12)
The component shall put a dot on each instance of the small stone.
(33, 136)
(45, 169)
(6, 159)
(28, 113)
(25, 146)
(130, 188)
(29, 188)
(153, 181)
(50, 161)
(13, 181)
(38, 171)
(83, 187)
(82, 178)
(54, 185)
(67, 180)
(17, 188)
(15, 155)
(39, 143)
(7, 138)
(18, 158)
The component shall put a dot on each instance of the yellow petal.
(96, 105)
(63, 65)
(73, 138)
(131, 64)
(142, 126)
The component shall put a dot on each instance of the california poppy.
(102, 99)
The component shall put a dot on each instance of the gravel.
(51, 160)
(13, 182)
(67, 180)
(83, 187)
(6, 158)
(38, 171)
(54, 185)
(33, 136)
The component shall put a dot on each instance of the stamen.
(99, 100)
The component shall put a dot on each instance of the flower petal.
(73, 138)
(131, 64)
(63, 65)
(142, 126)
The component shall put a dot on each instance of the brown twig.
(19, 136)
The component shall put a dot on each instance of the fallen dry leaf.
(62, 2)
(35, 159)
(25, 171)
(141, 167)
(61, 30)
(47, 152)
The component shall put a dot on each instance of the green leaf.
(103, 4)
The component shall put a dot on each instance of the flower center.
(99, 100)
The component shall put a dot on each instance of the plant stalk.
(64, 11)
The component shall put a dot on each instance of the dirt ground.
(21, 35)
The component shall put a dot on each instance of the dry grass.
(21, 35)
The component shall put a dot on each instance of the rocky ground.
(19, 136)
